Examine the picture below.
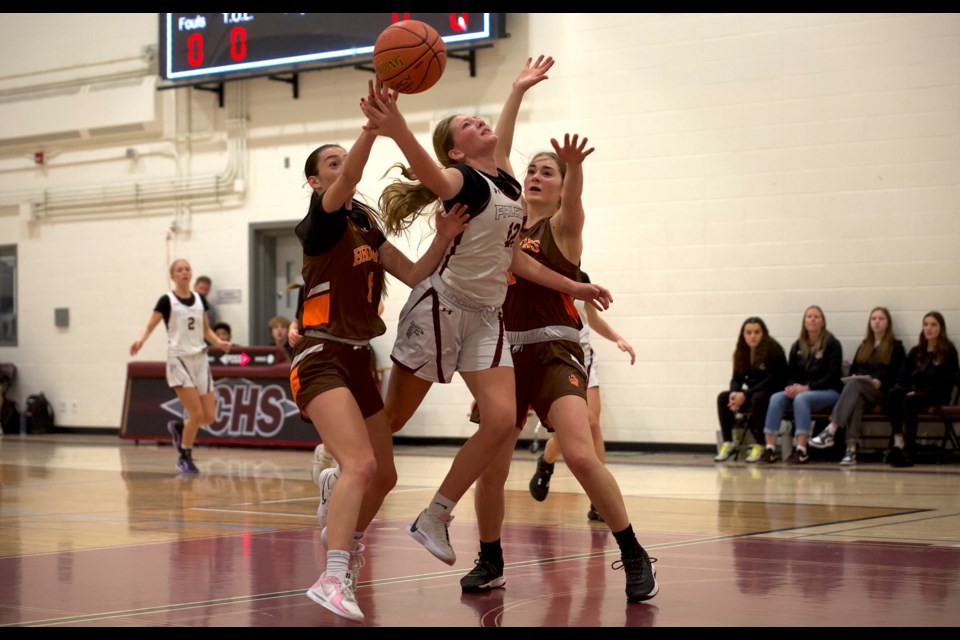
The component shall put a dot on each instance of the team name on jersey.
(366, 253)
(529, 244)
(508, 211)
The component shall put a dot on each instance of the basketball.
(409, 56)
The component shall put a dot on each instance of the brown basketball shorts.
(544, 372)
(320, 365)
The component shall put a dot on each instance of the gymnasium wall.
(746, 164)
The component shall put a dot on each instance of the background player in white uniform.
(188, 371)
(453, 321)
(540, 483)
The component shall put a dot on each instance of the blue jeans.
(803, 405)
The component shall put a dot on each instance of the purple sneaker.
(185, 463)
(175, 427)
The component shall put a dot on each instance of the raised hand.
(380, 107)
(452, 223)
(533, 72)
(573, 151)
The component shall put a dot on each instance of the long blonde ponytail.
(402, 202)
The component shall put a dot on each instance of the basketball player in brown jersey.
(345, 254)
(543, 328)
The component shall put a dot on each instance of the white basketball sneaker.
(328, 478)
(321, 460)
(431, 532)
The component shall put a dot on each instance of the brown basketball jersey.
(532, 306)
(343, 284)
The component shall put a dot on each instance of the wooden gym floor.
(97, 531)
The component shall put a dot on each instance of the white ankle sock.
(440, 505)
(338, 563)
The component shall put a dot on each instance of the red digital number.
(238, 44)
(458, 23)
(396, 17)
(195, 50)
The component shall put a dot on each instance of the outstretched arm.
(531, 74)
(603, 328)
(567, 225)
(573, 152)
(343, 188)
(382, 112)
(529, 269)
(449, 226)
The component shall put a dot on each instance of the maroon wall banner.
(254, 404)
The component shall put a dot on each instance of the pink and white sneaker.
(330, 593)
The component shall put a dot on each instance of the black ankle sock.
(627, 541)
(491, 552)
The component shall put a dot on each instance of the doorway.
(276, 260)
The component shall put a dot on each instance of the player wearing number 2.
(188, 371)
(453, 320)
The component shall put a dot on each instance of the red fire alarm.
(38, 157)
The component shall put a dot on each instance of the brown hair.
(885, 350)
(279, 321)
(743, 360)
(944, 345)
(310, 168)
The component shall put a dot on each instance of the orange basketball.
(409, 56)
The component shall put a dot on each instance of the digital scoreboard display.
(213, 47)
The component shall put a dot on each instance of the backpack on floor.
(39, 414)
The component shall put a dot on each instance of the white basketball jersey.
(185, 327)
(585, 331)
(476, 263)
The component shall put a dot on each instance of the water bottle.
(23, 424)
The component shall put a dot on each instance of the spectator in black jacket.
(813, 383)
(925, 381)
(759, 370)
(873, 373)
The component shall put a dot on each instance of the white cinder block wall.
(746, 164)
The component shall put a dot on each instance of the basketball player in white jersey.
(453, 320)
(184, 312)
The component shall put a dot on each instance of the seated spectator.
(813, 382)
(223, 330)
(873, 373)
(279, 328)
(759, 369)
(926, 380)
